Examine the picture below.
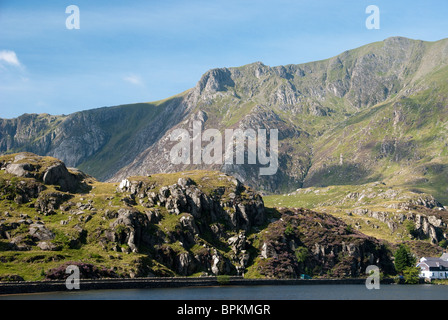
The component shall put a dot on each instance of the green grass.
(133, 118)
(375, 197)
(32, 265)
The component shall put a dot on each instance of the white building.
(434, 268)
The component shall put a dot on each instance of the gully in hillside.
(212, 153)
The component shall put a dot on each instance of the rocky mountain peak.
(215, 80)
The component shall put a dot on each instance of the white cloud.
(134, 79)
(9, 57)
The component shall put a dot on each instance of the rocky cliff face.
(302, 241)
(422, 224)
(202, 222)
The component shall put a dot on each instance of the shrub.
(61, 239)
(301, 254)
(289, 230)
(411, 275)
(86, 271)
(223, 279)
(410, 227)
(349, 228)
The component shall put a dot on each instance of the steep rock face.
(133, 224)
(215, 80)
(424, 227)
(195, 215)
(302, 241)
(23, 130)
(84, 139)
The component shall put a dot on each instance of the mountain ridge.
(306, 102)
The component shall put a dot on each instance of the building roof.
(435, 264)
(430, 259)
(443, 257)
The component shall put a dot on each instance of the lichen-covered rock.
(58, 174)
(48, 246)
(130, 228)
(48, 170)
(48, 202)
(40, 232)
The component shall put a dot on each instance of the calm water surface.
(286, 292)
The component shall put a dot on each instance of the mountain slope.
(90, 139)
(309, 102)
(401, 142)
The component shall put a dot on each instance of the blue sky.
(141, 51)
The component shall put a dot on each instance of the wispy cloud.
(134, 79)
(8, 57)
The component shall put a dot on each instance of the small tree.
(301, 254)
(410, 227)
(289, 230)
(403, 259)
(411, 275)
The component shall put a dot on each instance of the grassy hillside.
(385, 212)
(189, 223)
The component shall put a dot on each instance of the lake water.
(285, 292)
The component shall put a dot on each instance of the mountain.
(375, 113)
(362, 168)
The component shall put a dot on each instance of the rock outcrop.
(240, 211)
(303, 241)
(423, 223)
(216, 216)
(48, 170)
